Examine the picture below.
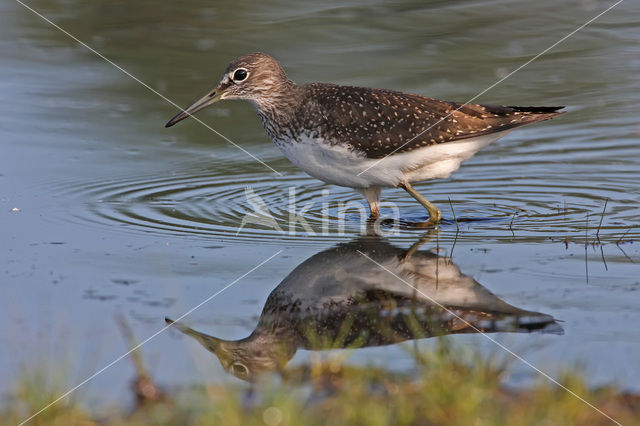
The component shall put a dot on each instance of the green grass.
(451, 387)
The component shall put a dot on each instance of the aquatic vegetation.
(450, 386)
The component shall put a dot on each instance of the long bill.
(208, 99)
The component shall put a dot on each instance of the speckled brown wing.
(383, 122)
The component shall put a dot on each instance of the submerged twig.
(603, 259)
(598, 234)
(625, 253)
(623, 235)
(601, 219)
(566, 238)
(511, 223)
(621, 240)
(454, 214)
(438, 257)
(586, 244)
(455, 239)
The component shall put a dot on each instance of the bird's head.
(255, 77)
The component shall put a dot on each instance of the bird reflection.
(340, 298)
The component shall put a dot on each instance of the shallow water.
(104, 211)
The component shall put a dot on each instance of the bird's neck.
(278, 109)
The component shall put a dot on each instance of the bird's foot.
(435, 215)
(428, 224)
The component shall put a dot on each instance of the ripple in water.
(212, 206)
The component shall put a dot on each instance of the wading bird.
(364, 138)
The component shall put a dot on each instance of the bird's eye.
(239, 369)
(240, 74)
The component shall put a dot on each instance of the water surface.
(104, 211)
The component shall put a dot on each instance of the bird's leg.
(374, 208)
(434, 213)
(372, 194)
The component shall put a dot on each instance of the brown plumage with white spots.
(383, 122)
(364, 138)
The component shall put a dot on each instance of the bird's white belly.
(335, 164)
(341, 166)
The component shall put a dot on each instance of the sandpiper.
(364, 138)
